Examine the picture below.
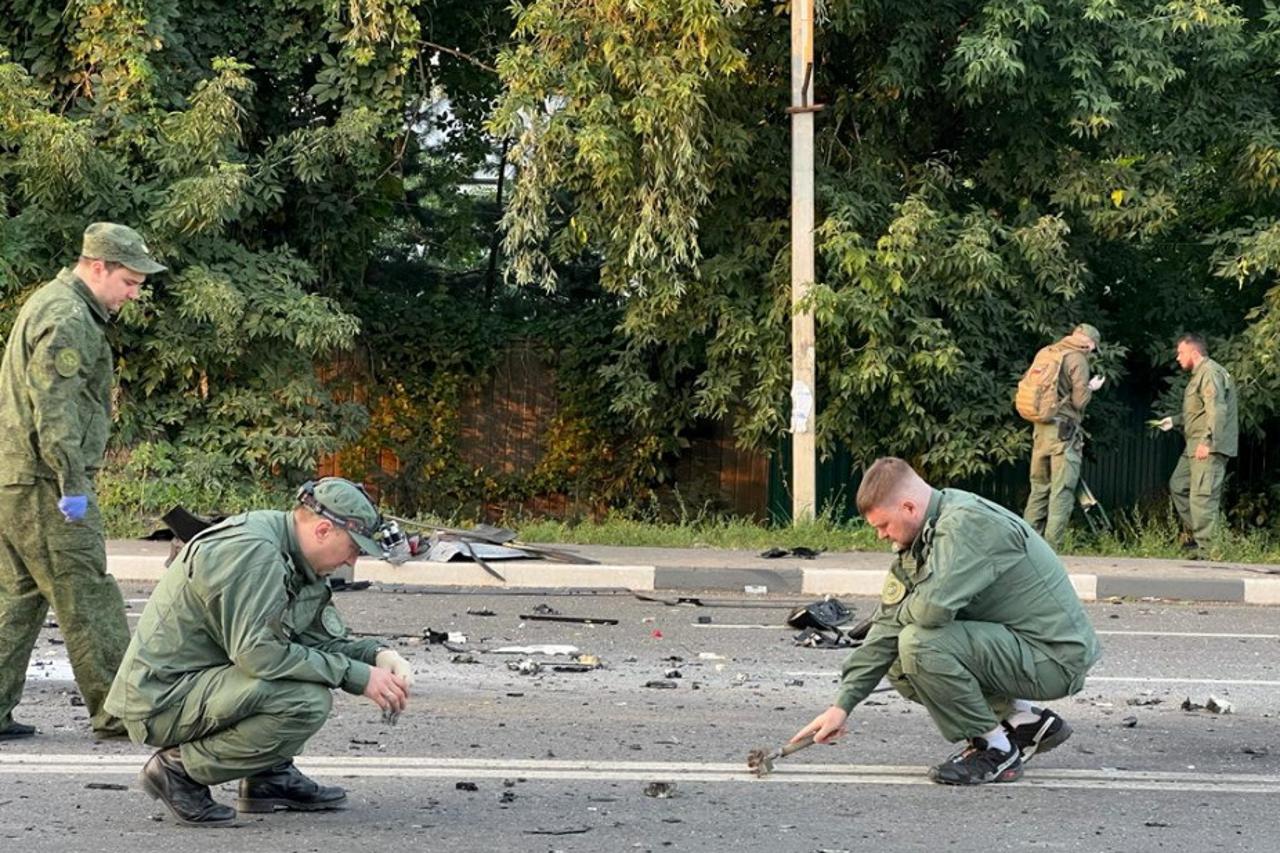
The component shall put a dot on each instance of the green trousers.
(1196, 488)
(45, 560)
(967, 674)
(1055, 471)
(232, 725)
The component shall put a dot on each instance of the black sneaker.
(979, 764)
(1039, 737)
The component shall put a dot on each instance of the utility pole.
(803, 359)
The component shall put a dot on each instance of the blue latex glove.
(73, 507)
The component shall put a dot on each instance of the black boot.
(16, 730)
(284, 787)
(165, 779)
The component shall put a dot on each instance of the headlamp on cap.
(385, 534)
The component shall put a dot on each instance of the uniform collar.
(1201, 367)
(300, 564)
(925, 537)
(82, 290)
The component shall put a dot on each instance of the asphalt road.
(562, 760)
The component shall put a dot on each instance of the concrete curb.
(817, 581)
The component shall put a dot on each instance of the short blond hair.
(882, 482)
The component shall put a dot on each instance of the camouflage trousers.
(231, 725)
(967, 674)
(44, 561)
(1055, 471)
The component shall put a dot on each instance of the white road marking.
(424, 767)
(1119, 679)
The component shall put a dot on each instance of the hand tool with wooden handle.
(760, 761)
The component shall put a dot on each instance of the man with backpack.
(1052, 394)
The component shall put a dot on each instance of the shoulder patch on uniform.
(893, 591)
(67, 362)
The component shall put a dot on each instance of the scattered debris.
(825, 613)
(576, 830)
(480, 611)
(794, 682)
(756, 589)
(105, 786)
(581, 663)
(1129, 722)
(507, 797)
(443, 638)
(579, 620)
(464, 658)
(362, 742)
(545, 610)
(710, 656)
(344, 585)
(1219, 706)
(525, 667)
(657, 635)
(799, 551)
(704, 620)
(550, 650)
(1143, 701)
(1256, 750)
(673, 673)
(661, 685)
(1156, 823)
(1188, 705)
(466, 786)
(660, 790)
(76, 700)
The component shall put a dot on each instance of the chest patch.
(67, 362)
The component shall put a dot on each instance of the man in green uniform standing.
(230, 670)
(977, 616)
(1210, 422)
(55, 413)
(1057, 448)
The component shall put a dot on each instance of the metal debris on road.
(673, 673)
(480, 611)
(525, 667)
(463, 658)
(1219, 706)
(105, 786)
(1144, 701)
(579, 620)
(660, 790)
(1129, 722)
(466, 786)
(661, 685)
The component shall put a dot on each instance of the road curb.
(817, 581)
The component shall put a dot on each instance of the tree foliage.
(989, 174)
(257, 146)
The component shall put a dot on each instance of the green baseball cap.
(349, 506)
(1090, 332)
(109, 241)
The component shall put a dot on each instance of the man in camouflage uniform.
(230, 670)
(976, 612)
(1057, 449)
(1210, 422)
(55, 413)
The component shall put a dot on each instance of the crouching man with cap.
(976, 619)
(230, 670)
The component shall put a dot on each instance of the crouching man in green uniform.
(230, 670)
(976, 618)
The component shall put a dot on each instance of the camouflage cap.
(1090, 332)
(109, 241)
(349, 502)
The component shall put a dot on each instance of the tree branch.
(455, 52)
